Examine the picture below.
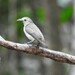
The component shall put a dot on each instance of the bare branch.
(44, 52)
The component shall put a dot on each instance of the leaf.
(66, 14)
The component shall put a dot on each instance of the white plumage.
(32, 32)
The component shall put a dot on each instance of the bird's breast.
(28, 35)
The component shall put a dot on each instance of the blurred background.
(55, 18)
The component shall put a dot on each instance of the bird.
(32, 32)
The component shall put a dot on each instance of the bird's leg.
(37, 46)
(30, 42)
(34, 43)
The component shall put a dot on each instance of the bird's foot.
(30, 42)
(32, 45)
(36, 46)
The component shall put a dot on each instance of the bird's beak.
(19, 19)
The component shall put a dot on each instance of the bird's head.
(25, 20)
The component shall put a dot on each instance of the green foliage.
(19, 30)
(24, 12)
(40, 14)
(66, 14)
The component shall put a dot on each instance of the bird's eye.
(24, 19)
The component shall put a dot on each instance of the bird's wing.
(33, 34)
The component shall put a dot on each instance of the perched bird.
(32, 32)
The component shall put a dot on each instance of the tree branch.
(44, 52)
